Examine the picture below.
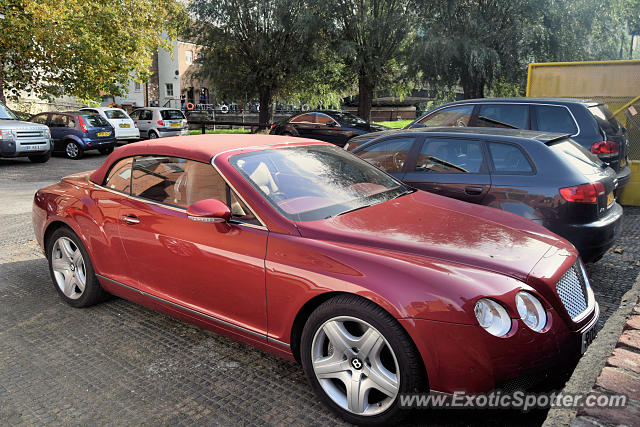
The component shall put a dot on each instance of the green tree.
(369, 36)
(81, 47)
(257, 48)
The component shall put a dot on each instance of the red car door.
(213, 269)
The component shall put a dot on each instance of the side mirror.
(209, 210)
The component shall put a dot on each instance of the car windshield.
(348, 118)
(6, 113)
(171, 115)
(316, 182)
(115, 114)
(94, 120)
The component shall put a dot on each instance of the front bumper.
(593, 239)
(466, 357)
(11, 149)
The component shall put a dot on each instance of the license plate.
(104, 133)
(175, 125)
(125, 125)
(36, 147)
(587, 337)
(610, 198)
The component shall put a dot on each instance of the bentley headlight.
(492, 317)
(531, 311)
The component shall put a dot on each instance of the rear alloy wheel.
(153, 135)
(359, 360)
(71, 270)
(105, 150)
(73, 150)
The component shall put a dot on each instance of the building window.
(188, 57)
(199, 56)
(137, 86)
(169, 89)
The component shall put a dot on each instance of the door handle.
(473, 190)
(130, 219)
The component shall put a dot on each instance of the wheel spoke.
(339, 337)
(58, 264)
(66, 249)
(357, 394)
(69, 285)
(79, 283)
(382, 380)
(330, 367)
(369, 344)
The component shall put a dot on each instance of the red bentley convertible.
(306, 251)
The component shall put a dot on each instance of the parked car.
(74, 132)
(376, 288)
(336, 127)
(590, 123)
(158, 122)
(124, 127)
(23, 139)
(545, 177)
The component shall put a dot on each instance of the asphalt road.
(119, 363)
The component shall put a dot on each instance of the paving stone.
(623, 358)
(627, 416)
(633, 322)
(617, 381)
(630, 338)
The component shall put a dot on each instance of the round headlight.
(492, 317)
(531, 311)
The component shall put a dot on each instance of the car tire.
(331, 356)
(73, 150)
(40, 158)
(153, 135)
(105, 150)
(71, 270)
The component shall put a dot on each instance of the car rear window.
(605, 118)
(115, 114)
(577, 156)
(551, 118)
(94, 120)
(171, 115)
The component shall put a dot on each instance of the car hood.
(438, 227)
(20, 125)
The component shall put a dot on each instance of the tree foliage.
(255, 47)
(369, 36)
(80, 47)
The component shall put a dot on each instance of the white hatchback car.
(126, 129)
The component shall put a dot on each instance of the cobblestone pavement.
(119, 363)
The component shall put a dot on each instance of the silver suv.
(158, 122)
(23, 139)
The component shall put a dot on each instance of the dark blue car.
(75, 132)
(336, 127)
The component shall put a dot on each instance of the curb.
(595, 359)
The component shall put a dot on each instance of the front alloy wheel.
(359, 360)
(355, 365)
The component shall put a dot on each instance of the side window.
(134, 114)
(41, 119)
(324, 120)
(119, 177)
(452, 116)
(302, 118)
(450, 156)
(240, 211)
(508, 158)
(58, 121)
(71, 123)
(504, 116)
(389, 155)
(146, 115)
(555, 119)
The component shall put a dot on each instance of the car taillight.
(83, 126)
(605, 148)
(585, 193)
(161, 122)
(272, 126)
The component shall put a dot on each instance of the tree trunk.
(265, 115)
(365, 96)
(2, 97)
(473, 87)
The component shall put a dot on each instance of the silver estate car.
(23, 139)
(158, 122)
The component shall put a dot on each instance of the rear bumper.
(90, 144)
(127, 134)
(164, 132)
(593, 239)
(624, 176)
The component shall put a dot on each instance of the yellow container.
(631, 193)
